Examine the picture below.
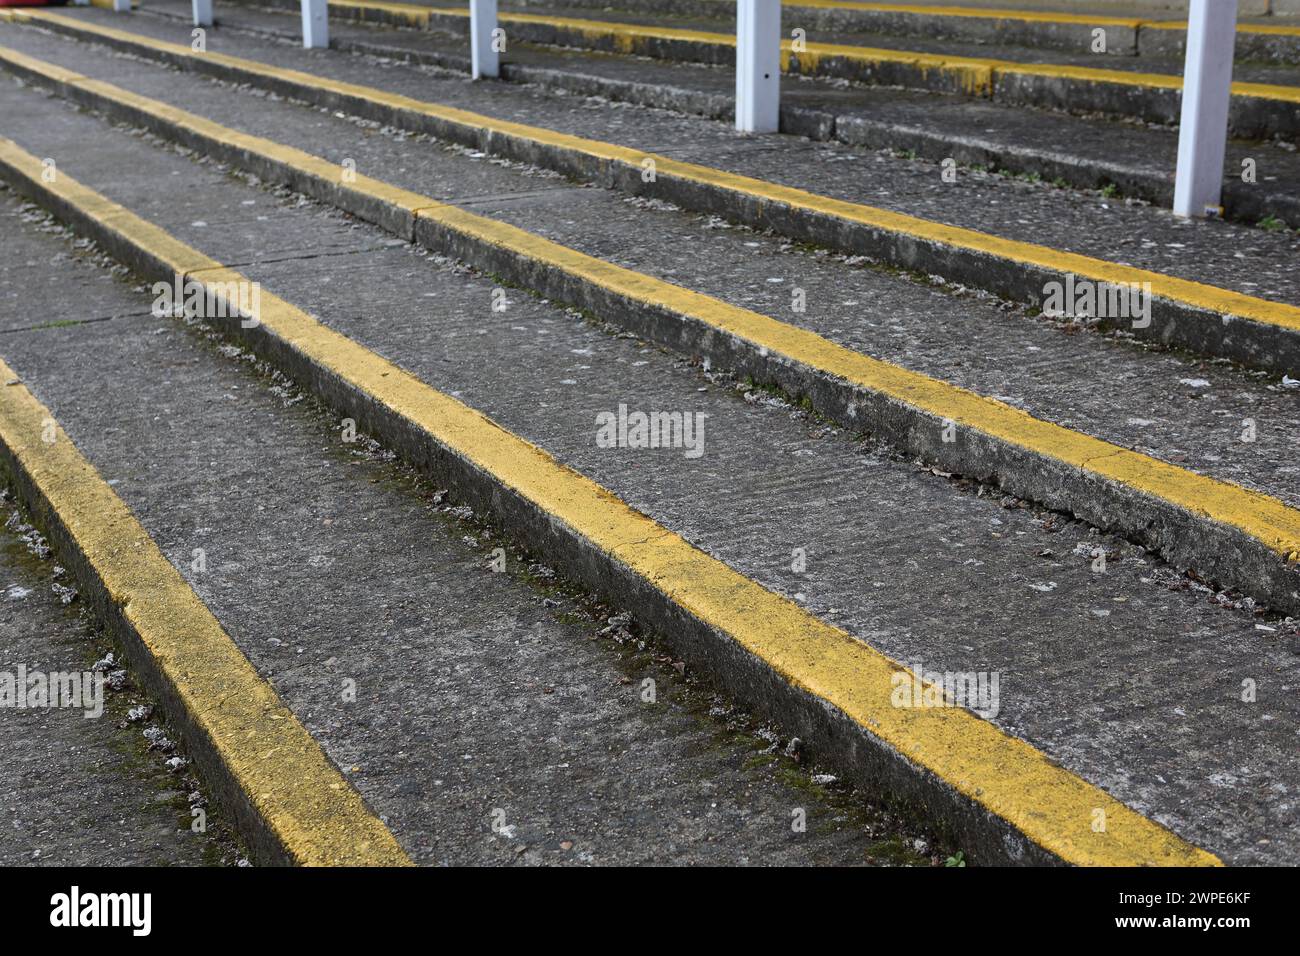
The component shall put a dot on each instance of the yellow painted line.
(1007, 776)
(1268, 29)
(1089, 74)
(313, 811)
(1263, 91)
(1195, 294)
(1264, 28)
(975, 13)
(1265, 518)
(975, 75)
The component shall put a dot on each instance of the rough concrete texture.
(328, 563)
(1232, 425)
(1065, 47)
(1150, 9)
(1251, 114)
(78, 790)
(721, 15)
(1122, 39)
(1090, 152)
(1260, 345)
(1253, 261)
(1132, 678)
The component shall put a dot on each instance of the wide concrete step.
(93, 775)
(1265, 102)
(1090, 152)
(1207, 484)
(748, 181)
(487, 718)
(908, 562)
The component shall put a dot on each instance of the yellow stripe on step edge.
(1195, 294)
(1268, 520)
(1006, 776)
(313, 812)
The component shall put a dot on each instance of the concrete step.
(954, 576)
(444, 692)
(1093, 152)
(1265, 102)
(815, 197)
(1241, 540)
(87, 777)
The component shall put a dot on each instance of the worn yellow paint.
(1270, 521)
(1002, 774)
(1084, 74)
(1195, 294)
(1268, 29)
(1288, 94)
(313, 811)
(1090, 74)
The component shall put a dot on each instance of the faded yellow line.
(1195, 294)
(1006, 776)
(1268, 29)
(1268, 520)
(1090, 74)
(312, 810)
(974, 13)
(1282, 94)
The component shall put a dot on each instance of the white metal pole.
(484, 58)
(203, 13)
(122, 6)
(758, 66)
(1207, 91)
(315, 23)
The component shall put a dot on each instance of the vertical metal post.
(485, 60)
(202, 13)
(758, 66)
(1207, 92)
(315, 23)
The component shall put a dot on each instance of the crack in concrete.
(69, 323)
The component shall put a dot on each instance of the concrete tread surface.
(954, 577)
